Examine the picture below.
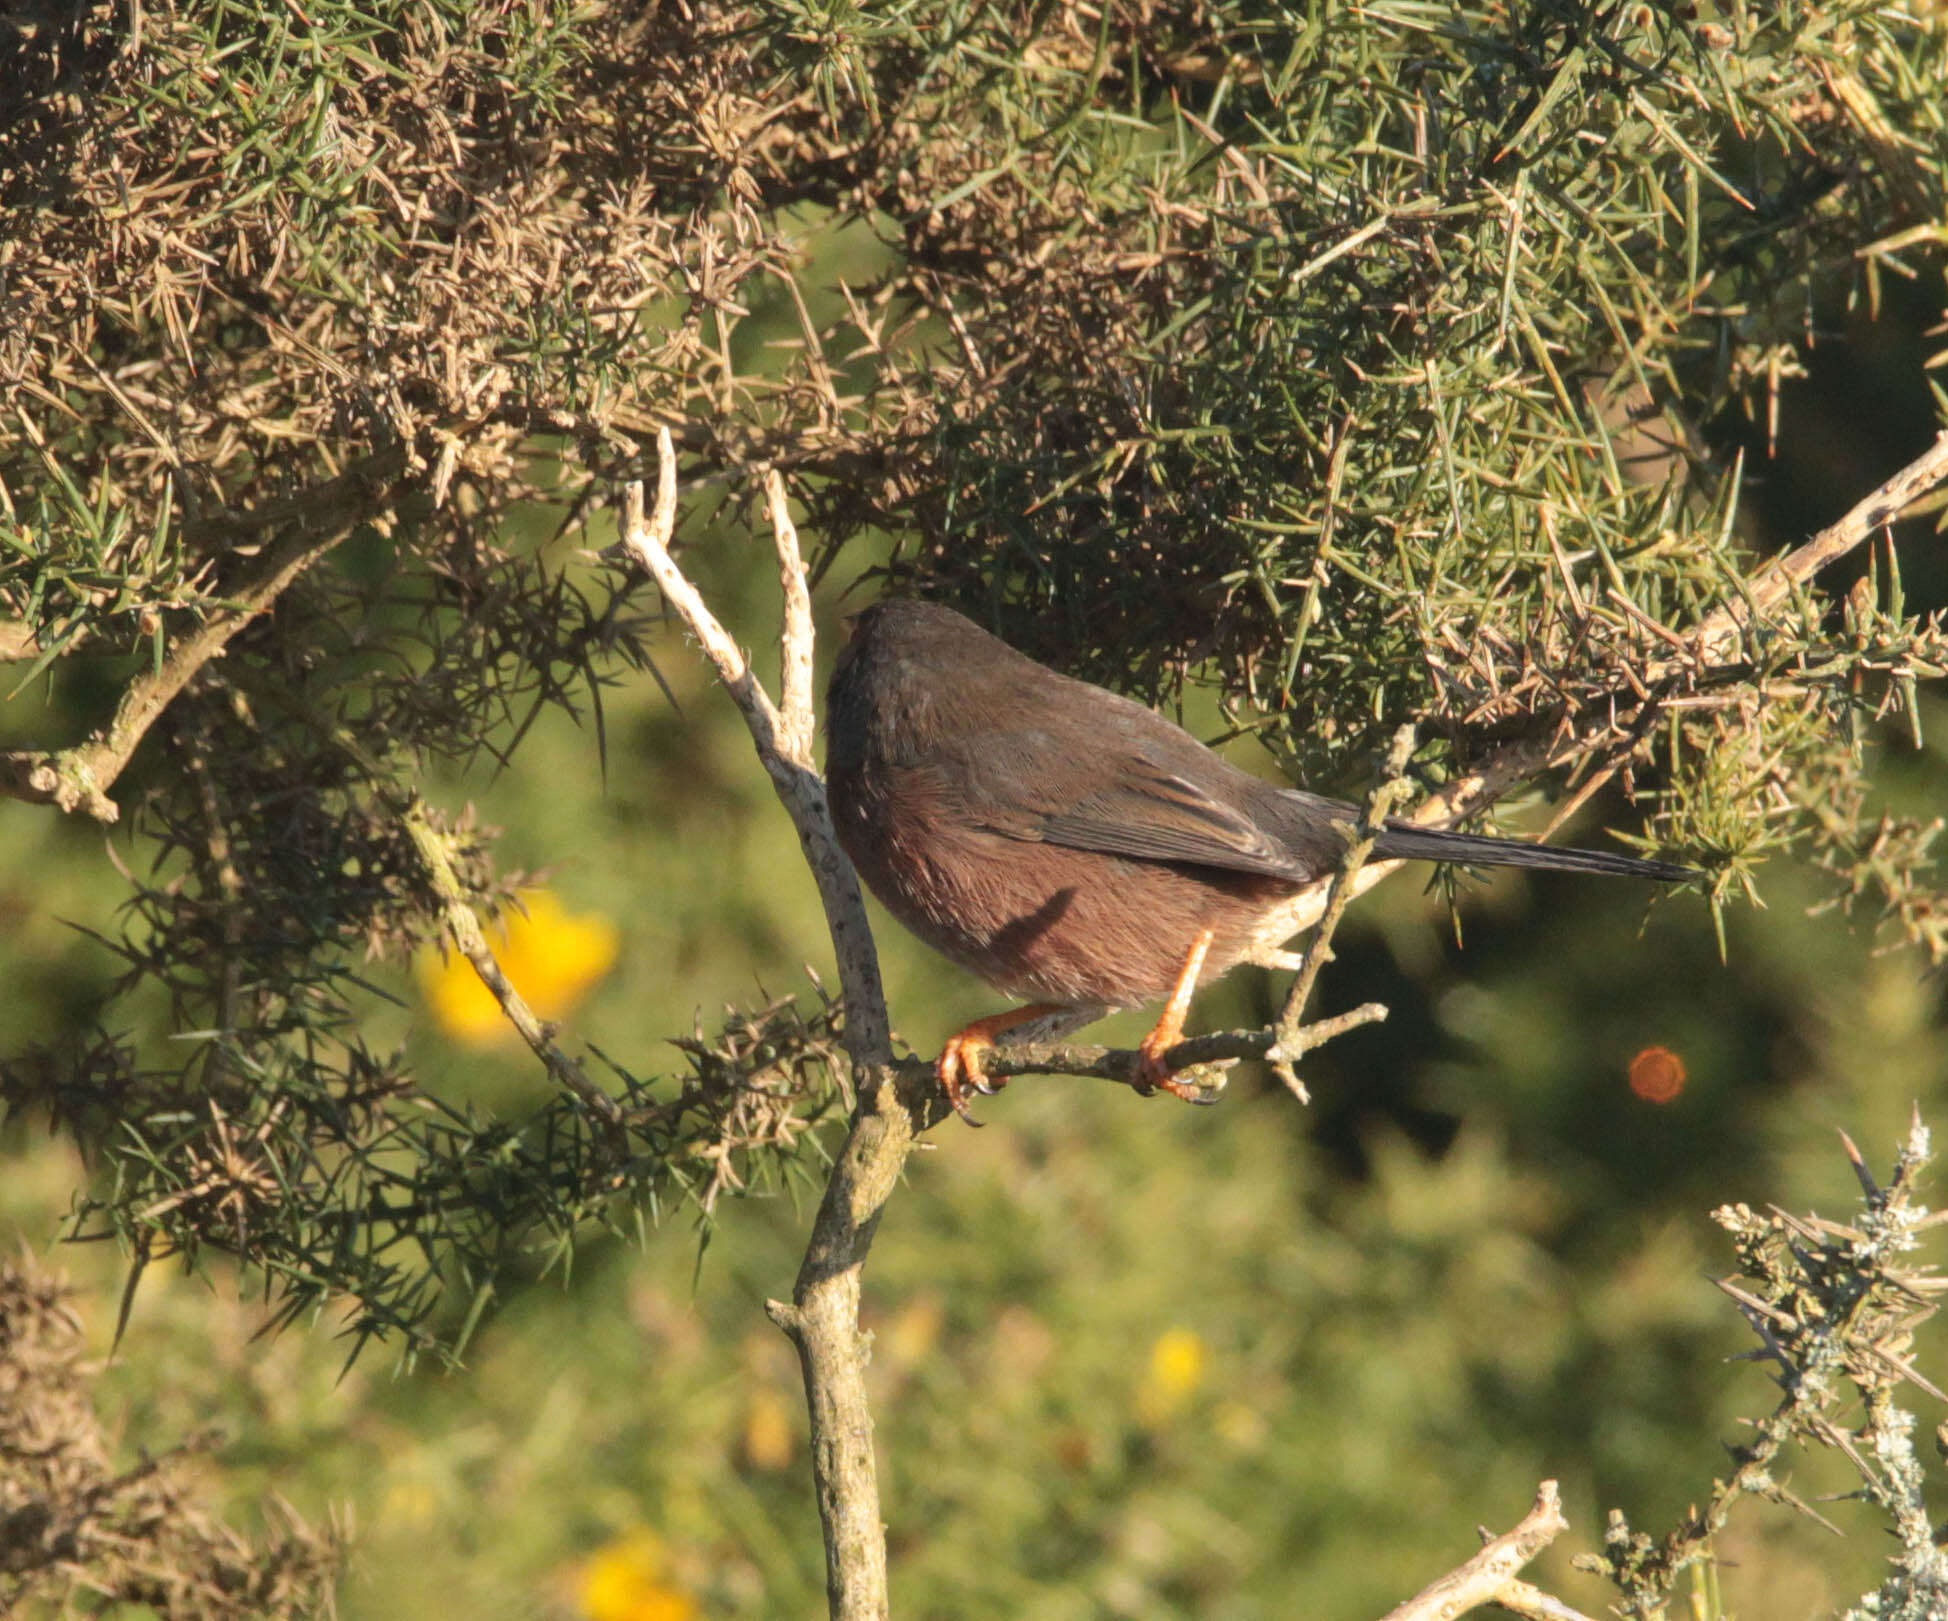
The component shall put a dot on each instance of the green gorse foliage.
(1362, 361)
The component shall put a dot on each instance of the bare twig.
(1119, 1064)
(463, 925)
(822, 1321)
(784, 751)
(822, 1317)
(795, 639)
(1528, 1601)
(1777, 580)
(1490, 1577)
(1293, 1041)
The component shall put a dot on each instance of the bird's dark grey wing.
(1157, 816)
(1124, 800)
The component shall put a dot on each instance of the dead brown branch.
(79, 778)
(1491, 1576)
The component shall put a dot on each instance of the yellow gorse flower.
(625, 1581)
(553, 959)
(1175, 1371)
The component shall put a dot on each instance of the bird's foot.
(1204, 1083)
(960, 1068)
(1152, 1073)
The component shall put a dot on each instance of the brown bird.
(1071, 847)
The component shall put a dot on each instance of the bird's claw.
(1202, 1084)
(959, 1069)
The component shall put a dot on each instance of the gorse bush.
(1314, 354)
(1358, 364)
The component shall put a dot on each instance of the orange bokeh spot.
(1657, 1075)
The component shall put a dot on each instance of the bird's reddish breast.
(1038, 921)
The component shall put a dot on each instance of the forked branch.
(822, 1317)
(1493, 1575)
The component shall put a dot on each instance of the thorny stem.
(79, 778)
(1293, 1040)
(435, 850)
(463, 925)
(1714, 639)
(1601, 727)
(1824, 1320)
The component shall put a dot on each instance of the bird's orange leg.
(960, 1060)
(1151, 1071)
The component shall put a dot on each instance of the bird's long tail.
(1403, 841)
